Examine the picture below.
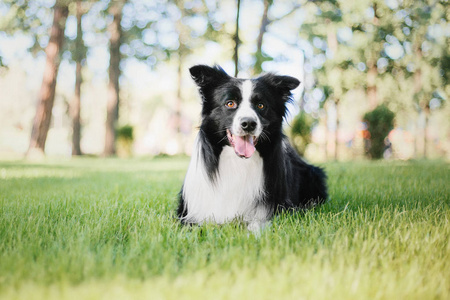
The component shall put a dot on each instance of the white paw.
(256, 227)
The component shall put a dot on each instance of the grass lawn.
(105, 229)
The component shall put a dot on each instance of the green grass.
(105, 229)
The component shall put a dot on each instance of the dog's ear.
(204, 75)
(285, 83)
(282, 84)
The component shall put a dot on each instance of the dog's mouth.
(244, 146)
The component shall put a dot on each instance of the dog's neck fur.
(236, 190)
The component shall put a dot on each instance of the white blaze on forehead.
(246, 90)
(245, 110)
(245, 107)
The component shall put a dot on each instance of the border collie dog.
(243, 166)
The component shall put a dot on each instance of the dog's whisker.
(222, 139)
(221, 131)
(264, 136)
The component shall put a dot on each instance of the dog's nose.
(248, 124)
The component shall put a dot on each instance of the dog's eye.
(231, 104)
(260, 106)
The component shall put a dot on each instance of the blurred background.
(110, 78)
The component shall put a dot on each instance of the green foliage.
(125, 132)
(105, 229)
(380, 122)
(125, 139)
(404, 43)
(395, 41)
(301, 131)
(29, 18)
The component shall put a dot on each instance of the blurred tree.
(43, 115)
(380, 122)
(112, 106)
(395, 51)
(423, 23)
(236, 39)
(332, 60)
(385, 40)
(260, 56)
(301, 131)
(189, 38)
(372, 53)
(169, 33)
(31, 18)
(79, 56)
(125, 139)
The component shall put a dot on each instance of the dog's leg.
(258, 219)
(257, 227)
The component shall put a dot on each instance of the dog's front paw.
(257, 227)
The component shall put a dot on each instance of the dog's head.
(242, 112)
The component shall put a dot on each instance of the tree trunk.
(259, 42)
(75, 105)
(336, 136)
(43, 115)
(179, 100)
(372, 74)
(418, 85)
(182, 52)
(265, 21)
(333, 46)
(237, 40)
(75, 109)
(326, 133)
(112, 106)
(416, 132)
(425, 131)
(178, 104)
(331, 37)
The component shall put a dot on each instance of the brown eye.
(231, 104)
(260, 106)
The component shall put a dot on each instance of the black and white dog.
(242, 165)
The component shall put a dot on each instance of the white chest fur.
(234, 193)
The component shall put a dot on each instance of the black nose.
(248, 124)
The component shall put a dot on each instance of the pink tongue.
(243, 145)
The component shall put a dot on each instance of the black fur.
(290, 182)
